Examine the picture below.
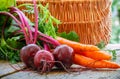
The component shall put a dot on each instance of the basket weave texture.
(90, 19)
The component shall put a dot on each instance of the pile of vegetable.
(38, 45)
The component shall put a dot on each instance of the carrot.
(97, 55)
(91, 63)
(77, 46)
(90, 51)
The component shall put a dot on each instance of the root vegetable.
(77, 46)
(97, 55)
(44, 60)
(91, 63)
(27, 54)
(64, 54)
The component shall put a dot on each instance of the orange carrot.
(77, 46)
(91, 63)
(97, 55)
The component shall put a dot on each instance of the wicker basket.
(91, 19)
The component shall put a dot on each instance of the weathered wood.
(59, 74)
(8, 68)
(88, 74)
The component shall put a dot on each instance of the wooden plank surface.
(59, 74)
(8, 68)
(88, 74)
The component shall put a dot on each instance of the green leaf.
(10, 55)
(4, 4)
(114, 54)
(12, 29)
(71, 36)
(47, 21)
(14, 42)
(101, 45)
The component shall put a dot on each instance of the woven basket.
(91, 19)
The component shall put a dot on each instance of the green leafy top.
(47, 22)
(4, 4)
(102, 45)
(71, 36)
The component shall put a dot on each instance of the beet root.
(27, 54)
(44, 60)
(64, 54)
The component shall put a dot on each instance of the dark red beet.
(44, 60)
(64, 54)
(27, 54)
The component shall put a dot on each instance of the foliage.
(71, 36)
(4, 4)
(101, 45)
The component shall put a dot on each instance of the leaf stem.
(25, 24)
(19, 23)
(36, 21)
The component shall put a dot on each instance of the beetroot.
(27, 54)
(64, 54)
(44, 60)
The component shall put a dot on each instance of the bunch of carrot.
(89, 55)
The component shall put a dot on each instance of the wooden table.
(8, 72)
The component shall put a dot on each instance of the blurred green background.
(115, 34)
